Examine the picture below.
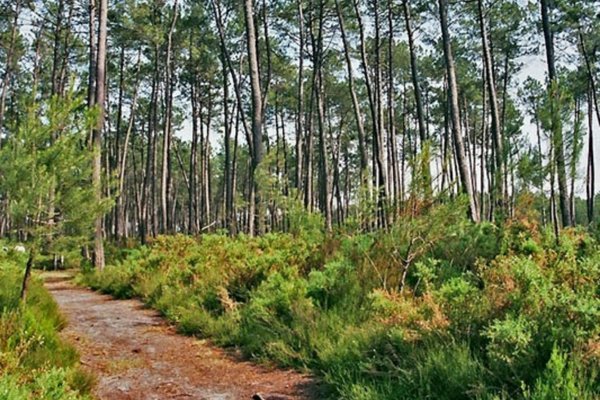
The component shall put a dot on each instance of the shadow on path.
(135, 354)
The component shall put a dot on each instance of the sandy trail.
(135, 354)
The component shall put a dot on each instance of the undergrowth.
(435, 308)
(34, 362)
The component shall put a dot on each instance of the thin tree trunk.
(257, 109)
(123, 159)
(592, 100)
(66, 49)
(378, 164)
(300, 112)
(484, 141)
(27, 275)
(459, 147)
(393, 146)
(362, 152)
(325, 199)
(417, 90)
(227, 143)
(56, 48)
(97, 135)
(166, 156)
(497, 193)
(557, 134)
(6, 80)
(591, 170)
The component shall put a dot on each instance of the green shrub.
(566, 380)
(477, 317)
(35, 363)
(511, 348)
(335, 285)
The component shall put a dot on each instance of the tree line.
(222, 114)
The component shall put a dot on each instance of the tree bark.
(325, 197)
(362, 152)
(97, 134)
(167, 135)
(257, 119)
(557, 134)
(27, 275)
(498, 191)
(459, 147)
(378, 164)
(121, 207)
(6, 80)
(592, 106)
(417, 89)
(300, 112)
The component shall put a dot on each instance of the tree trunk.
(591, 170)
(498, 191)
(27, 275)
(557, 134)
(6, 80)
(391, 102)
(257, 109)
(362, 152)
(121, 206)
(56, 47)
(417, 89)
(97, 134)
(592, 105)
(166, 156)
(378, 164)
(459, 147)
(324, 177)
(300, 112)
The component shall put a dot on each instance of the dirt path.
(136, 355)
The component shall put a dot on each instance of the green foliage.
(511, 349)
(34, 362)
(483, 310)
(46, 173)
(565, 378)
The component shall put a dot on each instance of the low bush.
(436, 307)
(34, 362)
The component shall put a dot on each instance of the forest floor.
(135, 354)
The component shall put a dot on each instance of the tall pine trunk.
(459, 148)
(557, 133)
(97, 134)
(257, 113)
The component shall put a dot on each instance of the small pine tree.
(46, 174)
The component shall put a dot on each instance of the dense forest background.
(397, 196)
(227, 115)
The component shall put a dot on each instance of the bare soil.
(135, 354)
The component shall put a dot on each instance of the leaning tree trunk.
(459, 147)
(362, 152)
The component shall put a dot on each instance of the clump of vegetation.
(462, 312)
(34, 362)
